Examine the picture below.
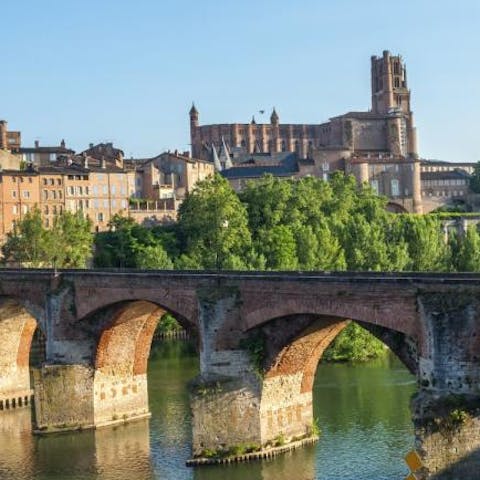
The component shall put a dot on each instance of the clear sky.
(127, 71)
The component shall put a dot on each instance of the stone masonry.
(260, 338)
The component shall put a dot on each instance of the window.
(54, 194)
(113, 189)
(53, 157)
(95, 190)
(52, 181)
(105, 204)
(124, 204)
(114, 203)
(54, 209)
(30, 180)
(87, 190)
(394, 187)
(59, 194)
(14, 209)
(100, 216)
(24, 208)
(46, 210)
(95, 203)
(26, 194)
(45, 194)
(59, 181)
(105, 190)
(14, 194)
(45, 181)
(71, 190)
(374, 185)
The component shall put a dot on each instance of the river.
(362, 411)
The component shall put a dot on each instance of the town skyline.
(134, 84)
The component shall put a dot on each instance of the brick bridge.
(260, 338)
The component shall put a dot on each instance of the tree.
(27, 244)
(475, 179)
(213, 228)
(70, 240)
(467, 257)
(129, 245)
(426, 243)
(67, 245)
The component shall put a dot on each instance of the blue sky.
(127, 72)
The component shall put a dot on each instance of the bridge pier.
(78, 397)
(237, 409)
(446, 410)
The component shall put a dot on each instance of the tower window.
(397, 82)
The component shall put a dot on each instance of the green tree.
(27, 245)
(354, 343)
(427, 248)
(129, 245)
(70, 241)
(213, 228)
(67, 245)
(152, 257)
(475, 179)
(277, 244)
(467, 257)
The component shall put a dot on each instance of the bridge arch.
(121, 336)
(18, 324)
(293, 347)
(296, 343)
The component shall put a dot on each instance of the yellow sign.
(412, 476)
(414, 462)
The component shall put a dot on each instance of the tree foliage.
(130, 245)
(67, 245)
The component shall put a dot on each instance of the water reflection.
(17, 445)
(362, 411)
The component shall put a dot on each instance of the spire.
(253, 122)
(227, 161)
(274, 117)
(216, 160)
(193, 110)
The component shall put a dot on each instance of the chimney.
(85, 160)
(91, 145)
(3, 134)
(62, 143)
(37, 143)
(103, 163)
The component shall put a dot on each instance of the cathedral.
(378, 146)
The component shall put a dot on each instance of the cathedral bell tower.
(391, 96)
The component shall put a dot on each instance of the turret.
(274, 117)
(193, 131)
(193, 116)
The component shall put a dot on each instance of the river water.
(362, 411)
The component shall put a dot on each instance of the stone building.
(378, 146)
(388, 127)
(44, 155)
(10, 141)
